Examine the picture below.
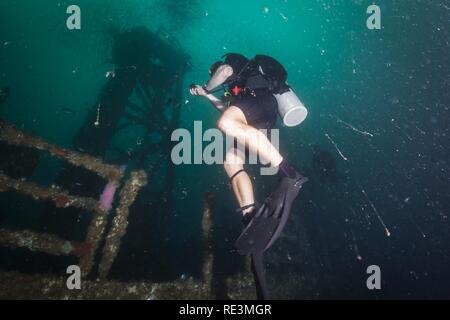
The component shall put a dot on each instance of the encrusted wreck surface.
(120, 222)
(14, 285)
(13, 136)
(18, 285)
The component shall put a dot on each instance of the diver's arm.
(222, 73)
(217, 103)
(200, 91)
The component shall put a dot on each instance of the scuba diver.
(255, 89)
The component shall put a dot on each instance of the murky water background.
(378, 105)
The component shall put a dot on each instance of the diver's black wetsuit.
(260, 110)
(259, 106)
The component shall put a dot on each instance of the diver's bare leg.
(241, 183)
(233, 123)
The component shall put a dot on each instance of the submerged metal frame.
(52, 244)
(20, 285)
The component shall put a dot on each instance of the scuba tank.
(292, 111)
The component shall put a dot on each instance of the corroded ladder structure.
(52, 244)
(20, 285)
(149, 66)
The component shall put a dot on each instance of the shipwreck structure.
(15, 284)
(103, 180)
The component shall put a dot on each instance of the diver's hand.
(197, 90)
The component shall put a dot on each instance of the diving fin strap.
(241, 209)
(247, 217)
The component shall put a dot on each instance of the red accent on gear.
(236, 90)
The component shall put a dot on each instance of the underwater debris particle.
(375, 211)
(282, 15)
(335, 145)
(365, 133)
(97, 121)
(403, 131)
(110, 74)
(66, 111)
(354, 245)
(420, 130)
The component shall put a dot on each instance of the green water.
(378, 101)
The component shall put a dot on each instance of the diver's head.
(237, 61)
(214, 67)
(239, 64)
(227, 71)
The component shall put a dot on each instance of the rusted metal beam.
(16, 285)
(119, 226)
(207, 228)
(62, 199)
(11, 135)
(94, 234)
(41, 242)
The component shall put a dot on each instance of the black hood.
(236, 61)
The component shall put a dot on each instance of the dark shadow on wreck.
(143, 93)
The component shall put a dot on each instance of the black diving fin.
(270, 218)
(266, 225)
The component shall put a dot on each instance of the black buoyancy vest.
(260, 73)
